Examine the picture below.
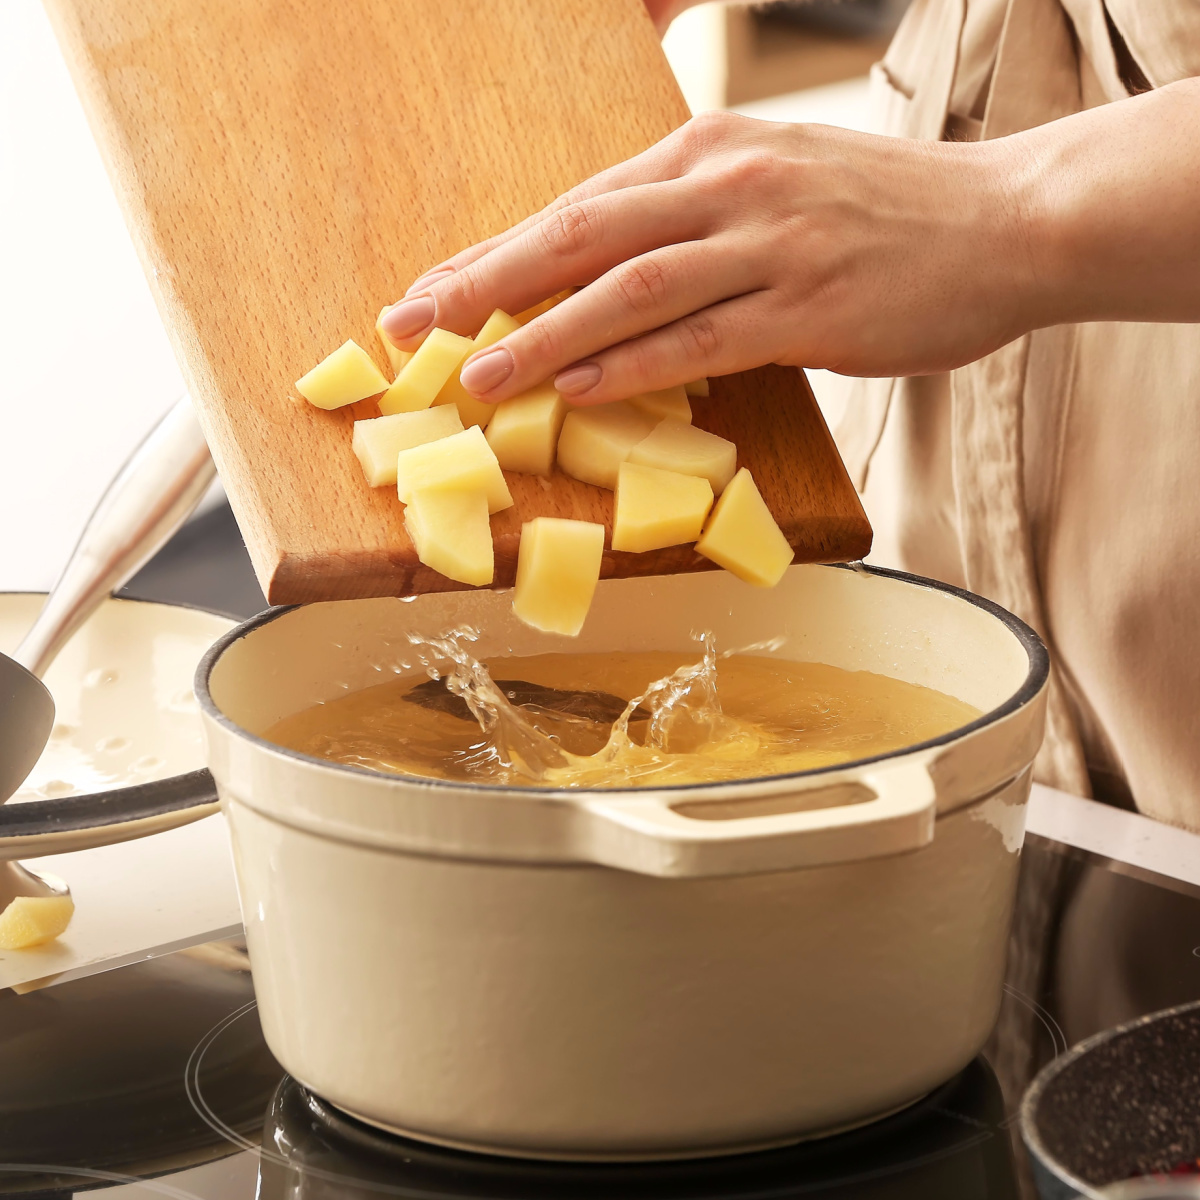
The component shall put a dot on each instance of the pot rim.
(1030, 1133)
(1035, 680)
(116, 806)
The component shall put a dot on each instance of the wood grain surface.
(287, 167)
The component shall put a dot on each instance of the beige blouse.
(1059, 476)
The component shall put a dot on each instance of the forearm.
(1110, 203)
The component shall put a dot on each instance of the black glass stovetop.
(154, 1080)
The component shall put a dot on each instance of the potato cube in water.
(742, 536)
(452, 534)
(655, 509)
(346, 376)
(425, 374)
(379, 440)
(558, 566)
(524, 430)
(462, 462)
(596, 440)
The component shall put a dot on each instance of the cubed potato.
(424, 375)
(498, 325)
(698, 387)
(472, 411)
(395, 355)
(524, 430)
(657, 508)
(33, 920)
(595, 441)
(452, 533)
(742, 536)
(378, 441)
(346, 376)
(461, 462)
(674, 446)
(669, 402)
(558, 565)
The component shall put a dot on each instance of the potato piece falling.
(669, 402)
(524, 430)
(558, 566)
(698, 387)
(425, 374)
(395, 355)
(595, 441)
(462, 462)
(742, 536)
(674, 446)
(452, 534)
(655, 509)
(472, 411)
(378, 441)
(34, 920)
(346, 376)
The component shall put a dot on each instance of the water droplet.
(99, 677)
(63, 730)
(110, 745)
(148, 762)
(54, 788)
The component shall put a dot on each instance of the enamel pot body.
(632, 973)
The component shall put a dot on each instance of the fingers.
(640, 294)
(569, 248)
(734, 335)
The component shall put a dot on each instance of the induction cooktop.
(154, 1079)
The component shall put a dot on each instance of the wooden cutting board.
(287, 167)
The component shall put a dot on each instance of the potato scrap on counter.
(446, 452)
(34, 920)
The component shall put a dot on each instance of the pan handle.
(886, 809)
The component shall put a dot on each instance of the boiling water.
(659, 718)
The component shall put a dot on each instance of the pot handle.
(888, 809)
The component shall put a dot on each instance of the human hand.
(733, 243)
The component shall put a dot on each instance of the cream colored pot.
(638, 973)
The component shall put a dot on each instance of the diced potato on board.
(472, 411)
(425, 374)
(558, 566)
(546, 305)
(452, 534)
(524, 430)
(378, 441)
(657, 508)
(674, 446)
(395, 355)
(34, 920)
(595, 441)
(698, 387)
(462, 462)
(669, 402)
(346, 376)
(742, 536)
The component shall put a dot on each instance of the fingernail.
(487, 371)
(409, 317)
(429, 277)
(576, 380)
